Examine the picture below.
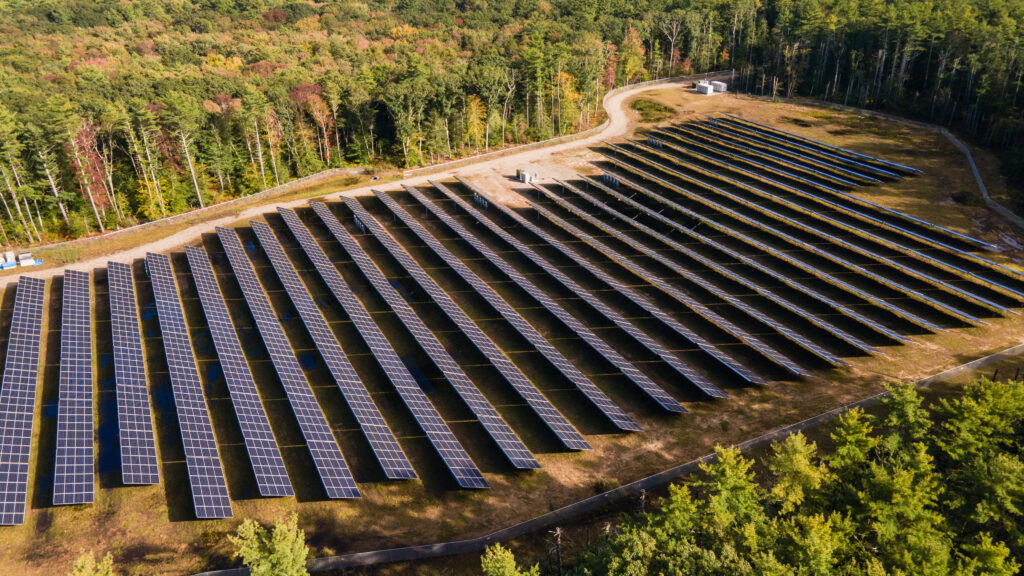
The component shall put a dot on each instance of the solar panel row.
(565, 432)
(18, 398)
(134, 418)
(264, 455)
(725, 272)
(441, 437)
(73, 472)
(684, 369)
(632, 295)
(598, 398)
(814, 248)
(385, 446)
(206, 477)
(327, 457)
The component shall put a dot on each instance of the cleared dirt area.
(149, 531)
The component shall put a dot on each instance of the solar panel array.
(206, 477)
(134, 419)
(18, 398)
(73, 471)
(330, 463)
(383, 443)
(566, 433)
(260, 444)
(632, 295)
(462, 468)
(682, 368)
(645, 384)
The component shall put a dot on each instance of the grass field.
(150, 529)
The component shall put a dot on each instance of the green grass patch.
(651, 111)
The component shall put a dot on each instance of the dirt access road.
(620, 122)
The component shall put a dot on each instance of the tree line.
(114, 113)
(918, 490)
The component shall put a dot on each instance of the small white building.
(718, 86)
(705, 88)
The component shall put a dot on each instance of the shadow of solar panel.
(441, 438)
(330, 463)
(724, 359)
(73, 471)
(18, 398)
(260, 444)
(206, 477)
(134, 419)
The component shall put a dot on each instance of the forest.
(920, 489)
(115, 112)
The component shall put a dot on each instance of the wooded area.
(114, 112)
(920, 490)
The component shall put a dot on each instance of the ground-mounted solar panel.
(385, 447)
(206, 477)
(73, 469)
(330, 463)
(724, 271)
(634, 296)
(682, 368)
(594, 394)
(791, 282)
(783, 255)
(858, 231)
(755, 343)
(814, 248)
(454, 456)
(134, 417)
(646, 385)
(556, 422)
(260, 444)
(18, 398)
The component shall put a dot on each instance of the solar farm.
(437, 340)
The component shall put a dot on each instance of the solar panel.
(383, 443)
(561, 313)
(327, 457)
(18, 398)
(73, 471)
(447, 445)
(780, 254)
(566, 433)
(134, 420)
(857, 230)
(594, 394)
(722, 270)
(206, 477)
(952, 311)
(632, 295)
(655, 392)
(264, 455)
(768, 352)
(795, 284)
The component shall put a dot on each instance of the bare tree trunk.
(53, 188)
(259, 154)
(152, 170)
(14, 198)
(85, 182)
(31, 222)
(191, 169)
(273, 155)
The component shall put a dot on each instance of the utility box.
(718, 86)
(705, 88)
(524, 176)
